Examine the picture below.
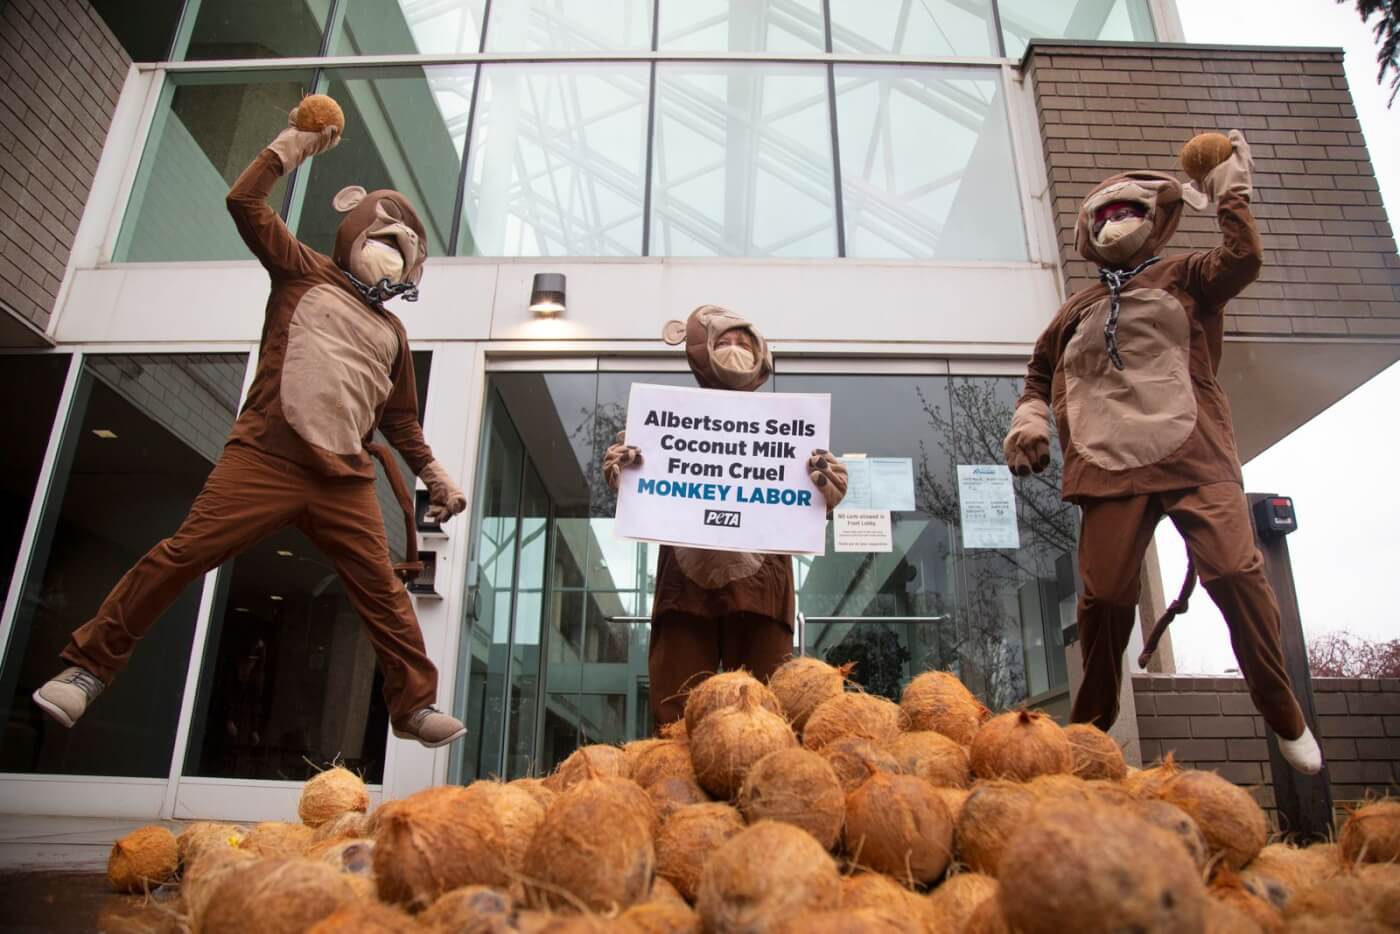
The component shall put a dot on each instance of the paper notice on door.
(879, 483)
(987, 502)
(862, 530)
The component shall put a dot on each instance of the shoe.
(432, 728)
(67, 696)
(1302, 753)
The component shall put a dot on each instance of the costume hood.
(383, 214)
(1158, 193)
(699, 333)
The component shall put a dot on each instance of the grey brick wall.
(1331, 268)
(61, 71)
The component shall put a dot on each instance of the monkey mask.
(1128, 218)
(743, 368)
(381, 243)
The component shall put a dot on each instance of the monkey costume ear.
(348, 198)
(673, 332)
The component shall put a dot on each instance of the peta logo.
(722, 517)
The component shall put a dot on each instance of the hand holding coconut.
(313, 127)
(1218, 165)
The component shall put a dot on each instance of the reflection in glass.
(205, 132)
(255, 28)
(142, 436)
(742, 26)
(558, 161)
(569, 26)
(383, 27)
(926, 164)
(1023, 20)
(913, 27)
(30, 386)
(743, 161)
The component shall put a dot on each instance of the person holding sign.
(715, 608)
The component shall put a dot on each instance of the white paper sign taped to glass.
(724, 470)
(862, 530)
(987, 502)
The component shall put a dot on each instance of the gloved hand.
(295, 146)
(829, 474)
(620, 455)
(1027, 444)
(445, 498)
(1234, 175)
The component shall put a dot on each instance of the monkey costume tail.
(1178, 606)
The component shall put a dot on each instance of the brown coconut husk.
(986, 918)
(895, 824)
(437, 840)
(729, 741)
(330, 794)
(952, 903)
(953, 799)
(1344, 897)
(204, 835)
(472, 909)
(1060, 786)
(1178, 823)
(674, 730)
(801, 684)
(519, 813)
(724, 690)
(1089, 866)
(671, 793)
(938, 701)
(317, 111)
(1228, 886)
(1227, 918)
(1111, 792)
(854, 759)
(765, 874)
(539, 922)
(1382, 881)
(351, 824)
(352, 857)
(876, 890)
(597, 761)
(992, 813)
(536, 789)
(853, 713)
(687, 840)
(798, 787)
(653, 917)
(667, 758)
(932, 757)
(278, 839)
(1231, 820)
(1204, 152)
(594, 848)
(632, 751)
(859, 921)
(1020, 745)
(1147, 783)
(367, 918)
(1371, 833)
(1095, 754)
(204, 874)
(1291, 869)
(664, 891)
(143, 859)
(275, 896)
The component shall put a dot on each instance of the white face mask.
(378, 261)
(734, 364)
(1119, 240)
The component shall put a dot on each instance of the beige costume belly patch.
(714, 569)
(337, 369)
(1122, 419)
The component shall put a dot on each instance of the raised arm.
(1218, 275)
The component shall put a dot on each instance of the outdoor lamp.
(547, 294)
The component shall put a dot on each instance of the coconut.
(351, 824)
(874, 890)
(654, 917)
(1110, 792)
(437, 840)
(519, 814)
(1313, 924)
(203, 835)
(204, 874)
(587, 762)
(1371, 833)
(938, 701)
(632, 751)
(802, 683)
(1059, 786)
(1226, 918)
(724, 690)
(1382, 881)
(536, 789)
(593, 847)
(1286, 870)
(143, 859)
(1228, 886)
(952, 903)
(855, 759)
(1089, 866)
(276, 839)
(1094, 753)
(729, 741)
(763, 875)
(664, 891)
(852, 714)
(1021, 745)
(1177, 822)
(671, 793)
(666, 759)
(798, 787)
(1204, 152)
(1344, 896)
(986, 918)
(1230, 819)
(1147, 783)
(472, 909)
(330, 794)
(367, 918)
(953, 799)
(895, 824)
(316, 112)
(688, 838)
(352, 857)
(674, 730)
(933, 757)
(275, 896)
(990, 815)
(859, 921)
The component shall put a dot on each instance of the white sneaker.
(1302, 753)
(67, 696)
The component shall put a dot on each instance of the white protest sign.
(987, 502)
(862, 530)
(724, 470)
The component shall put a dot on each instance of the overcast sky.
(1346, 552)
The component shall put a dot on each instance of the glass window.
(569, 26)
(926, 164)
(255, 28)
(558, 161)
(145, 29)
(207, 129)
(30, 386)
(742, 26)
(914, 27)
(384, 27)
(1024, 20)
(143, 434)
(742, 161)
(405, 129)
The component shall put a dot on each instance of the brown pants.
(247, 497)
(1214, 520)
(687, 649)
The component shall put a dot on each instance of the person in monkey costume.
(333, 367)
(714, 609)
(1129, 368)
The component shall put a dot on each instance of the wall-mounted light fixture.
(547, 294)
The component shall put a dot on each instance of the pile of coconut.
(801, 805)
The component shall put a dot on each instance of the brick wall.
(1210, 723)
(61, 71)
(1331, 268)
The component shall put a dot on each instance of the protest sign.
(724, 470)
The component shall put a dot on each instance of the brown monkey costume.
(1129, 367)
(333, 367)
(716, 609)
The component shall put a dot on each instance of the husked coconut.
(802, 683)
(597, 761)
(671, 793)
(143, 859)
(204, 874)
(1147, 783)
(632, 751)
(349, 824)
(367, 918)
(355, 860)
(798, 787)
(437, 840)
(654, 917)
(278, 839)
(724, 690)
(876, 890)
(1316, 924)
(938, 701)
(275, 896)
(1228, 886)
(674, 730)
(858, 921)
(895, 824)
(536, 789)
(932, 757)
(688, 838)
(667, 758)
(1060, 786)
(854, 759)
(1110, 792)
(1382, 881)
(1094, 753)
(853, 713)
(664, 891)
(204, 835)
(953, 799)
(953, 902)
(1093, 867)
(1177, 822)
(1345, 897)
(763, 875)
(518, 812)
(472, 909)
(1371, 833)
(1231, 820)
(1020, 745)
(986, 918)
(1293, 869)
(991, 814)
(1224, 917)
(331, 793)
(729, 741)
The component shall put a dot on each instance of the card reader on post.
(1273, 515)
